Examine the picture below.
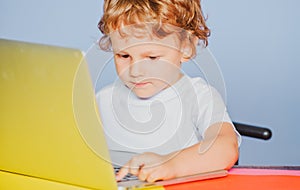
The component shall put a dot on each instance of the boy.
(177, 124)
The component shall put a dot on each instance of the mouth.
(140, 84)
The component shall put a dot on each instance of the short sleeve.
(211, 108)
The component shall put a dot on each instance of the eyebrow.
(123, 52)
(143, 54)
(150, 52)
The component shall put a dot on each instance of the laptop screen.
(49, 124)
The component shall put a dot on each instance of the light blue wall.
(256, 44)
(57, 22)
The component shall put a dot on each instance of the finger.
(158, 174)
(154, 176)
(143, 173)
(134, 169)
(134, 165)
(122, 172)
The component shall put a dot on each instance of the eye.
(124, 56)
(154, 57)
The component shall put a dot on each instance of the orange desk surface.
(248, 178)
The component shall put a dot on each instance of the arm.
(216, 152)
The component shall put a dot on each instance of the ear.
(188, 49)
(185, 57)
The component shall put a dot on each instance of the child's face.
(147, 66)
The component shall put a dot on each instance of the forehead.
(137, 36)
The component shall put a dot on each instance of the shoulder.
(200, 85)
(104, 92)
(205, 91)
(198, 82)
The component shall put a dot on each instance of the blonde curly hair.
(184, 14)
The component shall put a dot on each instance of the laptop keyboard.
(128, 177)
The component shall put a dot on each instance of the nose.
(136, 69)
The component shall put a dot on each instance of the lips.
(140, 84)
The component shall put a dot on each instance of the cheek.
(121, 67)
(122, 73)
(164, 70)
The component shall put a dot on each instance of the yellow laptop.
(45, 95)
(50, 133)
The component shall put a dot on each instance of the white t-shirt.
(173, 119)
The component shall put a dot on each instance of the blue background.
(256, 44)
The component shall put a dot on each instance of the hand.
(149, 167)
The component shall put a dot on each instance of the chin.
(144, 95)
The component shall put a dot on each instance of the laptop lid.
(49, 124)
